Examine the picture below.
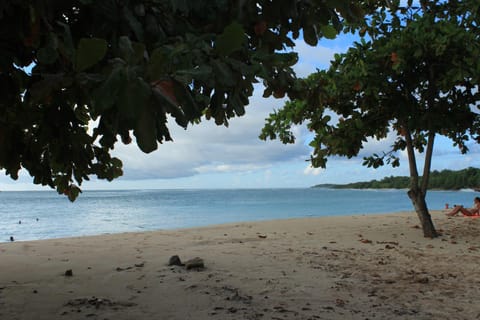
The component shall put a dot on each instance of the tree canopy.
(414, 75)
(104, 70)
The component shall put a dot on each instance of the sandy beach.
(358, 267)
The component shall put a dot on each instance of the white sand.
(360, 267)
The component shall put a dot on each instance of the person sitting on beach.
(475, 211)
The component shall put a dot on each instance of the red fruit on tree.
(166, 86)
(357, 86)
(394, 57)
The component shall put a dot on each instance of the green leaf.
(81, 113)
(267, 92)
(132, 52)
(359, 124)
(162, 130)
(231, 40)
(171, 106)
(418, 53)
(106, 95)
(125, 48)
(116, 162)
(189, 106)
(157, 65)
(329, 32)
(145, 130)
(47, 55)
(89, 52)
(135, 25)
(310, 35)
(202, 73)
(138, 52)
(236, 104)
(72, 192)
(180, 5)
(133, 97)
(67, 45)
(223, 73)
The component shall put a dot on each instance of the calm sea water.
(46, 215)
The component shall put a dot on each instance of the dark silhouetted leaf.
(106, 95)
(145, 130)
(47, 55)
(89, 52)
(231, 40)
(310, 35)
(329, 32)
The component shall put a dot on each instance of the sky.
(210, 156)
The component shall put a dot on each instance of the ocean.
(34, 215)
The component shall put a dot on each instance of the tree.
(444, 180)
(102, 70)
(415, 74)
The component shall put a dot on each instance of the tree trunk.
(418, 200)
(416, 193)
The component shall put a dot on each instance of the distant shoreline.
(445, 180)
(347, 186)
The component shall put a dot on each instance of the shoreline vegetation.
(348, 267)
(447, 180)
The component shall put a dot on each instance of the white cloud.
(313, 58)
(309, 170)
(210, 148)
(221, 168)
(319, 57)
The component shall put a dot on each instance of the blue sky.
(209, 156)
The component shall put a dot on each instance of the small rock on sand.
(195, 263)
(175, 261)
